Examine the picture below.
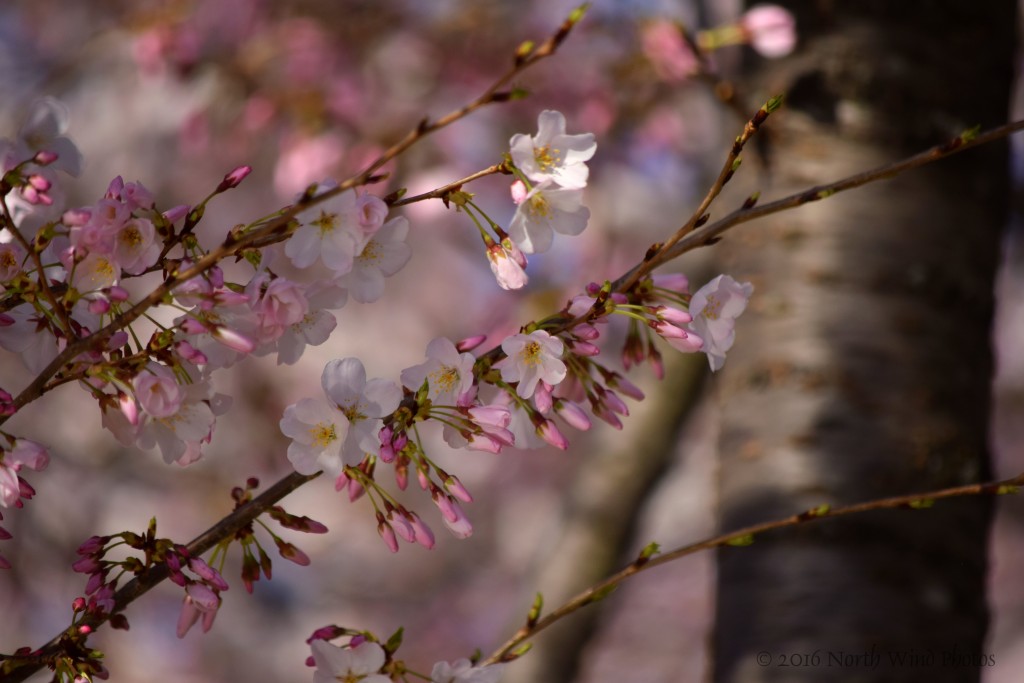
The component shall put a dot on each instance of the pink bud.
(387, 533)
(455, 487)
(99, 306)
(39, 182)
(615, 403)
(207, 573)
(402, 526)
(672, 315)
(676, 282)
(542, 397)
(584, 348)
(586, 331)
(519, 191)
(424, 535)
(234, 178)
(771, 29)
(549, 432)
(470, 343)
(176, 213)
(608, 416)
(45, 157)
(572, 414)
(625, 386)
(233, 339)
(290, 552)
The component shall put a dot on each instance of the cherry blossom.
(463, 671)
(363, 402)
(200, 601)
(531, 358)
(547, 209)
(715, 307)
(44, 131)
(448, 373)
(330, 231)
(771, 30)
(135, 245)
(317, 431)
(507, 263)
(316, 325)
(384, 255)
(157, 390)
(551, 155)
(361, 663)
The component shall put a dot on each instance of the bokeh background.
(176, 93)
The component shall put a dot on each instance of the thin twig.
(741, 537)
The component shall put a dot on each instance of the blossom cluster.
(64, 280)
(364, 660)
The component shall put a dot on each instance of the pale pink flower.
(330, 232)
(200, 600)
(135, 245)
(11, 257)
(383, 256)
(715, 307)
(94, 272)
(771, 30)
(44, 131)
(371, 212)
(363, 402)
(10, 488)
(278, 304)
(318, 432)
(670, 55)
(553, 155)
(448, 373)
(463, 671)
(361, 663)
(157, 390)
(547, 209)
(28, 453)
(531, 358)
(508, 263)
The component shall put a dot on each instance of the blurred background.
(177, 93)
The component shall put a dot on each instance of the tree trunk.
(862, 369)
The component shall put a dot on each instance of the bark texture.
(863, 368)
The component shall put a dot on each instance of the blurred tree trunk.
(863, 368)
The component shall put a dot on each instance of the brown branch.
(707, 234)
(24, 666)
(740, 537)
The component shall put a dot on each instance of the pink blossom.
(362, 663)
(551, 154)
(771, 30)
(667, 51)
(547, 209)
(200, 600)
(530, 358)
(158, 391)
(716, 306)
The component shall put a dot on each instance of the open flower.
(448, 373)
(553, 155)
(318, 432)
(714, 308)
(547, 209)
(361, 663)
(385, 254)
(531, 358)
(363, 402)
